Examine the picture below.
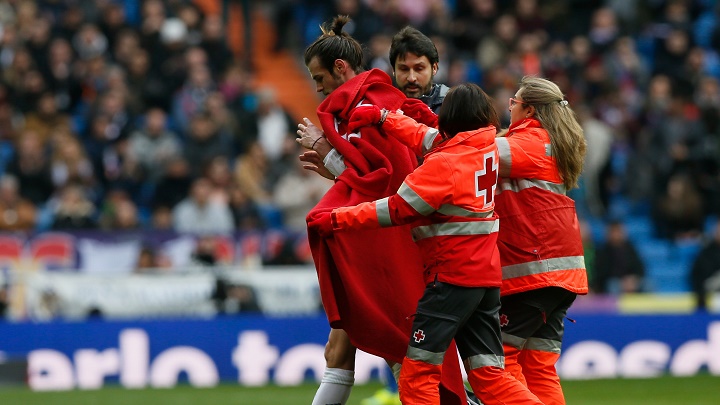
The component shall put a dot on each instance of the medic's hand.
(363, 116)
(323, 224)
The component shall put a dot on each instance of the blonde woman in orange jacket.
(541, 158)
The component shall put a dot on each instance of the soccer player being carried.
(369, 281)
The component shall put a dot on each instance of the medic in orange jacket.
(539, 240)
(542, 246)
(450, 203)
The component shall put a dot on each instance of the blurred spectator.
(16, 213)
(251, 174)
(618, 266)
(161, 218)
(705, 273)
(48, 308)
(69, 162)
(32, 169)
(112, 21)
(493, 48)
(73, 210)
(678, 212)
(153, 146)
(89, 42)
(204, 142)
(190, 101)
(604, 30)
(246, 214)
(174, 184)
(597, 171)
(118, 212)
(190, 15)
(472, 21)
(46, 118)
(296, 193)
(205, 253)
(145, 86)
(214, 43)
(220, 176)
(149, 260)
(379, 53)
(232, 298)
(225, 120)
(275, 125)
(199, 214)
(62, 75)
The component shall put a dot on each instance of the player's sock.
(335, 387)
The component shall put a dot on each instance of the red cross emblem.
(419, 335)
(504, 321)
(486, 179)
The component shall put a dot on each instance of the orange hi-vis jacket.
(449, 200)
(540, 243)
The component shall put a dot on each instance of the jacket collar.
(526, 123)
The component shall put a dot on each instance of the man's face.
(414, 74)
(325, 80)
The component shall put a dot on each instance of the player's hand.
(313, 162)
(308, 134)
(363, 116)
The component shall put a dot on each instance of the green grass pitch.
(698, 390)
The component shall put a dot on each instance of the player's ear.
(340, 66)
(434, 68)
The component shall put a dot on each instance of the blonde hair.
(566, 135)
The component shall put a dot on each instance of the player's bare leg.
(339, 376)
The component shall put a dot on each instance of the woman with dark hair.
(449, 200)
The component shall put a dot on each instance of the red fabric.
(371, 281)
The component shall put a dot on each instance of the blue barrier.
(256, 350)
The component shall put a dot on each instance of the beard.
(415, 90)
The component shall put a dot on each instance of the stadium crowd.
(137, 114)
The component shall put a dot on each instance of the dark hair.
(410, 39)
(335, 44)
(466, 107)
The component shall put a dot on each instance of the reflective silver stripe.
(415, 201)
(425, 356)
(521, 184)
(548, 149)
(543, 266)
(484, 360)
(505, 157)
(429, 139)
(456, 229)
(383, 212)
(543, 345)
(454, 210)
(514, 341)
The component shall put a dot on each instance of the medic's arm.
(420, 138)
(421, 194)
